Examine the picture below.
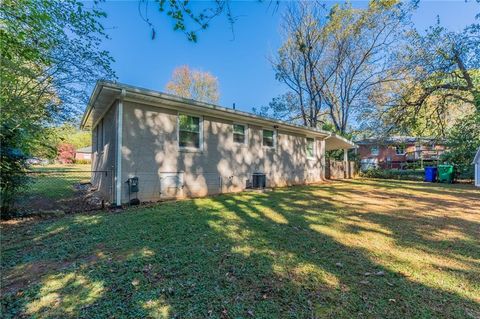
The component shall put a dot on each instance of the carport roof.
(106, 93)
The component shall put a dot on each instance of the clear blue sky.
(240, 61)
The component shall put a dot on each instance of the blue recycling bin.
(430, 174)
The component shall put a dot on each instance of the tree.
(463, 141)
(13, 166)
(192, 19)
(51, 57)
(443, 80)
(333, 61)
(194, 84)
(53, 136)
(66, 153)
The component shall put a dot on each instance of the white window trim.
(376, 153)
(245, 126)
(274, 138)
(189, 148)
(404, 150)
(314, 147)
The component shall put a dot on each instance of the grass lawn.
(361, 248)
(56, 181)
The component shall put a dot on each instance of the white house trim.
(118, 175)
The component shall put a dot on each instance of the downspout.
(118, 174)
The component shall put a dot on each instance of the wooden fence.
(338, 169)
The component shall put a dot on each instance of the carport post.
(346, 164)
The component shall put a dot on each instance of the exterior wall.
(150, 152)
(384, 152)
(103, 156)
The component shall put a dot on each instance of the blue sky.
(239, 60)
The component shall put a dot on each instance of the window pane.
(267, 133)
(189, 123)
(309, 147)
(189, 139)
(189, 131)
(268, 138)
(238, 129)
(238, 133)
(239, 138)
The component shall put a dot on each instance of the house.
(152, 146)
(398, 151)
(84, 153)
(476, 162)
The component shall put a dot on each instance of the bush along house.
(148, 146)
(399, 152)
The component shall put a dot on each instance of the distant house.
(398, 151)
(84, 153)
(152, 146)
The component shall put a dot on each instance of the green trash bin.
(445, 173)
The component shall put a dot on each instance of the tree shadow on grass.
(291, 253)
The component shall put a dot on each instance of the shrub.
(13, 168)
(408, 174)
(66, 153)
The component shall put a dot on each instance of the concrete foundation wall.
(150, 152)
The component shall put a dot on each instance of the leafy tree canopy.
(194, 84)
(51, 57)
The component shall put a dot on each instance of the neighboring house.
(398, 151)
(476, 162)
(84, 153)
(178, 147)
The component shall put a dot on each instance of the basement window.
(189, 131)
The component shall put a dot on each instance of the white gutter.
(118, 175)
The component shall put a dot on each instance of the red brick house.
(399, 151)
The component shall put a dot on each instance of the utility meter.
(133, 184)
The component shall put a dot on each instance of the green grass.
(362, 248)
(55, 182)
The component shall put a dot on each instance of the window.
(268, 138)
(239, 134)
(310, 147)
(400, 150)
(99, 136)
(188, 131)
(374, 150)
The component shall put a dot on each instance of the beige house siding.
(150, 151)
(103, 156)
